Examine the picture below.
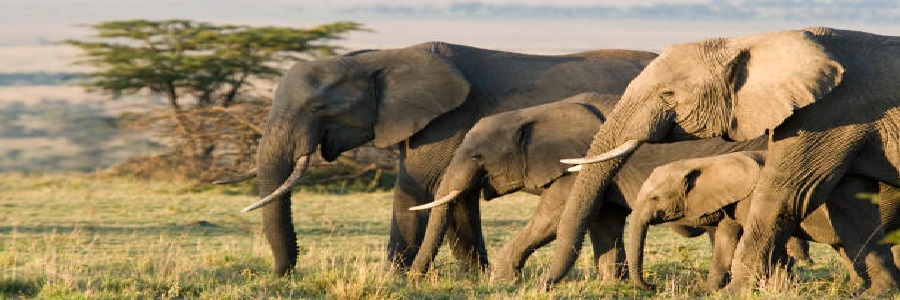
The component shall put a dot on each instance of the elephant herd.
(758, 140)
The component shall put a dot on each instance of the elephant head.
(689, 192)
(337, 104)
(735, 88)
(510, 151)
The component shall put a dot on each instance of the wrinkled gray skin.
(424, 98)
(714, 191)
(521, 149)
(826, 99)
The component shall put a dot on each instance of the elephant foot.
(879, 292)
(737, 287)
(716, 282)
(400, 261)
(546, 283)
(504, 273)
(612, 273)
(881, 288)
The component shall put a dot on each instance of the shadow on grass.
(345, 228)
(503, 223)
(203, 228)
(196, 228)
(19, 288)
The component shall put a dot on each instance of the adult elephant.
(826, 99)
(424, 98)
(520, 150)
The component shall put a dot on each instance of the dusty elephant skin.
(826, 99)
(714, 191)
(424, 98)
(520, 150)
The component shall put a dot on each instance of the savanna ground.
(100, 237)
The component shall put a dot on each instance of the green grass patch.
(99, 237)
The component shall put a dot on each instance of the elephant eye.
(666, 95)
(318, 107)
(653, 198)
(477, 157)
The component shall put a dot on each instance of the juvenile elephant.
(520, 150)
(714, 191)
(827, 100)
(424, 98)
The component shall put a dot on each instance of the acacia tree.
(212, 63)
(207, 64)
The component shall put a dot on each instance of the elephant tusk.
(626, 148)
(289, 183)
(450, 196)
(575, 169)
(237, 178)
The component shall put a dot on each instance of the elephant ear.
(719, 181)
(773, 75)
(563, 132)
(414, 88)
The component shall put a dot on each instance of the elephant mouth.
(502, 184)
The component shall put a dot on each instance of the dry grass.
(96, 237)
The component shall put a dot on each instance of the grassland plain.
(80, 236)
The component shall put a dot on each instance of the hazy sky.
(25, 25)
(24, 22)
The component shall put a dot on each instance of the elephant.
(714, 191)
(826, 99)
(422, 99)
(520, 150)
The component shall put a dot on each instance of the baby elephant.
(714, 191)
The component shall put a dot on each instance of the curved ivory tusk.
(626, 147)
(237, 178)
(450, 196)
(289, 183)
(575, 169)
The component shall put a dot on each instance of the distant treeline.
(874, 11)
(36, 78)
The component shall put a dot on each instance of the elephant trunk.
(584, 199)
(618, 138)
(434, 236)
(458, 178)
(282, 157)
(637, 231)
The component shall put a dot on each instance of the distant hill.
(875, 11)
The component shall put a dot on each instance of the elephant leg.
(859, 230)
(464, 233)
(727, 234)
(419, 171)
(848, 264)
(798, 249)
(889, 207)
(605, 230)
(407, 227)
(540, 230)
(801, 169)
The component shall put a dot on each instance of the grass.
(99, 237)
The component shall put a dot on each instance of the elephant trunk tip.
(635, 252)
